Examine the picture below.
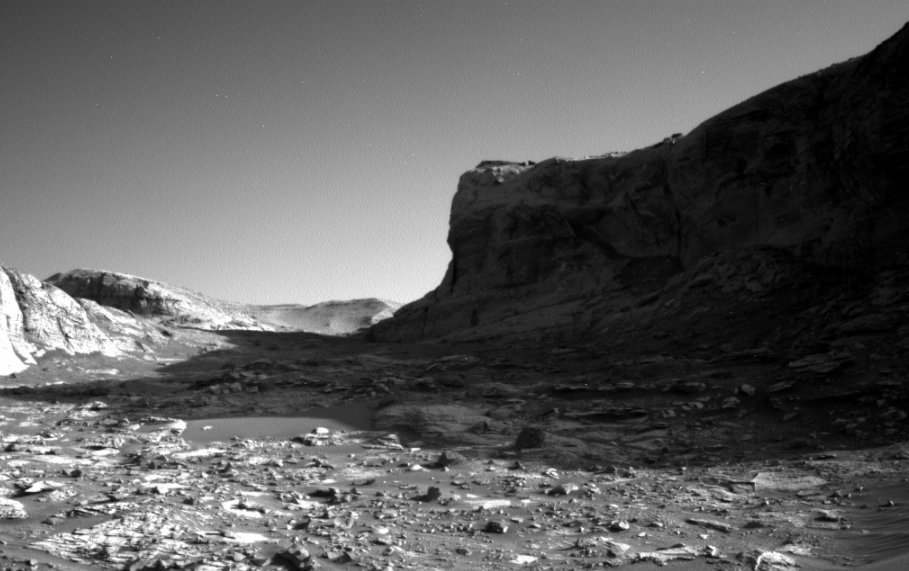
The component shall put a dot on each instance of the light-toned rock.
(176, 306)
(327, 318)
(36, 317)
(11, 509)
(15, 354)
(168, 304)
(54, 320)
(785, 481)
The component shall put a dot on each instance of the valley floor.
(627, 459)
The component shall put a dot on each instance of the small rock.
(496, 526)
(530, 437)
(747, 389)
(827, 515)
(619, 525)
(298, 557)
(562, 490)
(711, 524)
(448, 458)
(431, 495)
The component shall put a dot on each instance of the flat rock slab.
(786, 482)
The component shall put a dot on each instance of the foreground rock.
(553, 456)
(814, 168)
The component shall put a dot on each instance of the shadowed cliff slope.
(816, 168)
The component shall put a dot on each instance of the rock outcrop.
(15, 352)
(114, 314)
(170, 305)
(175, 306)
(816, 168)
(36, 317)
(327, 318)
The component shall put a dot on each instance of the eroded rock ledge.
(36, 317)
(816, 168)
(173, 305)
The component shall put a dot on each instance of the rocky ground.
(765, 436)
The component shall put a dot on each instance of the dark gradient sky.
(297, 151)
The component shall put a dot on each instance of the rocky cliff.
(36, 317)
(816, 169)
(163, 302)
(176, 306)
(115, 314)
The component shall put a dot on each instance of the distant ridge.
(177, 306)
(115, 314)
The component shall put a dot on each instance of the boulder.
(816, 168)
(176, 306)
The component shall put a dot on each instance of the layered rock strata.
(169, 304)
(36, 317)
(176, 306)
(816, 168)
(328, 318)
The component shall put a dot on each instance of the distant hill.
(90, 311)
(176, 306)
(328, 318)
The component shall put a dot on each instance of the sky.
(304, 151)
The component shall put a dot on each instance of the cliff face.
(166, 303)
(175, 306)
(327, 318)
(36, 317)
(817, 168)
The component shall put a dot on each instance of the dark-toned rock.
(432, 494)
(530, 437)
(496, 526)
(448, 458)
(297, 557)
(816, 168)
(11, 509)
